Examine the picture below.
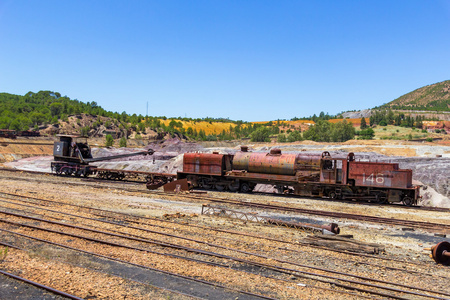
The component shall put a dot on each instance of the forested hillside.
(434, 97)
(53, 113)
(45, 107)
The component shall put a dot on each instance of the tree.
(342, 131)
(85, 130)
(294, 136)
(109, 140)
(262, 134)
(123, 142)
(363, 123)
(56, 109)
(319, 132)
(366, 134)
(15, 125)
(281, 138)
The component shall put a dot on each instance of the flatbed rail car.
(305, 174)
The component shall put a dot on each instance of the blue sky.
(243, 60)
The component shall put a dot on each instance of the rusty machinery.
(72, 156)
(305, 174)
(441, 253)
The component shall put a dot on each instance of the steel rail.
(203, 227)
(198, 251)
(442, 209)
(418, 224)
(50, 289)
(138, 265)
(282, 270)
(185, 238)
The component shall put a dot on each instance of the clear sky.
(244, 60)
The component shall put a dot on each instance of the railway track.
(440, 228)
(39, 287)
(434, 227)
(380, 288)
(125, 181)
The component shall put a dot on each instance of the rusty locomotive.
(305, 174)
(12, 134)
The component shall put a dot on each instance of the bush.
(366, 134)
(294, 136)
(429, 140)
(84, 130)
(281, 138)
(123, 142)
(109, 140)
(261, 134)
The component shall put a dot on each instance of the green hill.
(434, 97)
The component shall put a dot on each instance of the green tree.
(262, 134)
(363, 123)
(342, 131)
(294, 136)
(319, 132)
(109, 140)
(15, 125)
(281, 138)
(56, 109)
(123, 142)
(84, 131)
(366, 134)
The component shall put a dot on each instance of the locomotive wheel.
(441, 253)
(219, 187)
(233, 187)
(332, 195)
(408, 201)
(245, 187)
(206, 186)
(66, 171)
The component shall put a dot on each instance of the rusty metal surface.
(379, 175)
(275, 162)
(176, 186)
(253, 217)
(441, 253)
(203, 163)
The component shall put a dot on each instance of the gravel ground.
(94, 278)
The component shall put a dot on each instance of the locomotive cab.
(71, 148)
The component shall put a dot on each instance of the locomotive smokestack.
(244, 148)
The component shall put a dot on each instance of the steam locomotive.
(305, 174)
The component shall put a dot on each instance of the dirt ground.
(430, 162)
(91, 279)
(98, 279)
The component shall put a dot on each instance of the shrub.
(109, 140)
(261, 134)
(281, 138)
(123, 142)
